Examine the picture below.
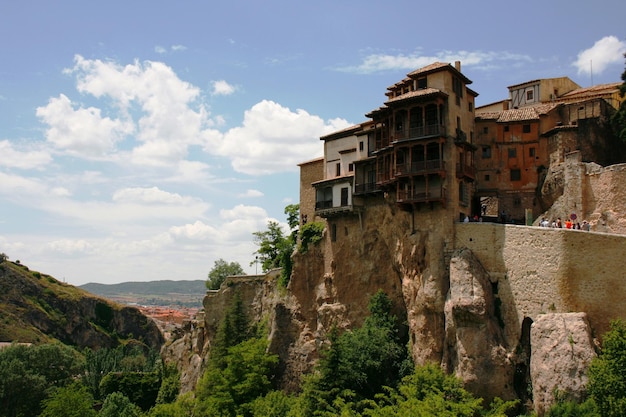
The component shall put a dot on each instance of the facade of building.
(520, 138)
(416, 149)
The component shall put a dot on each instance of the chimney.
(457, 65)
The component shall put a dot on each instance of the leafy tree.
(71, 401)
(182, 407)
(170, 385)
(141, 388)
(619, 118)
(118, 405)
(275, 248)
(26, 373)
(221, 270)
(310, 234)
(607, 373)
(273, 404)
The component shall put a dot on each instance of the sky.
(144, 140)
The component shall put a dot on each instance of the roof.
(525, 113)
(587, 92)
(321, 158)
(426, 92)
(342, 133)
(438, 66)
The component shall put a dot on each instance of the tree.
(118, 405)
(619, 118)
(607, 373)
(70, 401)
(275, 248)
(221, 270)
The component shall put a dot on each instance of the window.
(487, 177)
(512, 152)
(517, 202)
(361, 145)
(486, 152)
(526, 128)
(421, 83)
(338, 169)
(529, 95)
(531, 152)
(485, 130)
(506, 128)
(344, 196)
(350, 167)
(471, 106)
(516, 175)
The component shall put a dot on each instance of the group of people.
(569, 223)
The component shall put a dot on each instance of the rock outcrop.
(562, 350)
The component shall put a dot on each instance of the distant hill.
(37, 308)
(167, 292)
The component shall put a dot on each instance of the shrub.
(310, 234)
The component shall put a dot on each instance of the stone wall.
(543, 270)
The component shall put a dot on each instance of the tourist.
(586, 226)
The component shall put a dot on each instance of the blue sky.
(143, 140)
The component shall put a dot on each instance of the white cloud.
(274, 139)
(179, 48)
(222, 88)
(604, 52)
(386, 62)
(159, 49)
(195, 231)
(251, 194)
(22, 159)
(148, 196)
(71, 247)
(81, 131)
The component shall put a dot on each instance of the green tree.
(170, 385)
(618, 120)
(71, 401)
(275, 248)
(118, 405)
(607, 373)
(221, 270)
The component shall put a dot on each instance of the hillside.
(167, 292)
(37, 308)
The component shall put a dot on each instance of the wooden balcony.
(326, 209)
(366, 188)
(421, 196)
(421, 168)
(421, 132)
(465, 171)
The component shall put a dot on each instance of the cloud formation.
(606, 51)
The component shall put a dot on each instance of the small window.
(471, 106)
(361, 145)
(421, 83)
(512, 152)
(487, 177)
(506, 128)
(517, 202)
(529, 95)
(485, 130)
(531, 152)
(350, 167)
(526, 128)
(486, 152)
(338, 169)
(516, 175)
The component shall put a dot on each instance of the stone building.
(519, 139)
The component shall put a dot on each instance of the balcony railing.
(321, 205)
(369, 187)
(419, 132)
(464, 170)
(421, 196)
(420, 167)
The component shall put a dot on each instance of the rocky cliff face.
(471, 314)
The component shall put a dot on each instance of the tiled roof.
(428, 68)
(525, 113)
(488, 115)
(417, 93)
(591, 91)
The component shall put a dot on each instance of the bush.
(310, 234)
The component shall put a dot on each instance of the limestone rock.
(562, 349)
(475, 349)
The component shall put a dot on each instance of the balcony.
(366, 188)
(465, 171)
(421, 196)
(419, 132)
(326, 209)
(420, 167)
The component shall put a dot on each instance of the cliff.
(36, 308)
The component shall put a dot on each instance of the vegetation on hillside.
(222, 269)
